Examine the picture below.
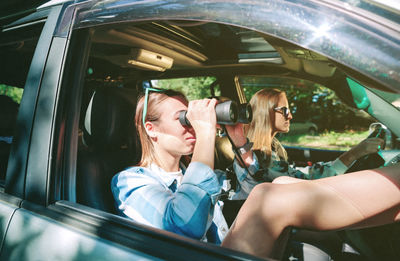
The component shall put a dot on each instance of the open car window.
(201, 59)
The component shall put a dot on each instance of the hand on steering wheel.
(368, 146)
(367, 156)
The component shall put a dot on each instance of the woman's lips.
(191, 139)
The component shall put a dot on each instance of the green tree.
(192, 87)
(12, 92)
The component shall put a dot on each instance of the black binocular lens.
(228, 113)
(245, 113)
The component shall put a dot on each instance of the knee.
(286, 180)
(271, 201)
(261, 193)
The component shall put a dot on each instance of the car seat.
(109, 138)
(223, 153)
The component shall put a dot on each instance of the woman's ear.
(150, 130)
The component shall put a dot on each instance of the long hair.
(153, 114)
(259, 131)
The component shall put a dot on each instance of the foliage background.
(192, 87)
(13, 92)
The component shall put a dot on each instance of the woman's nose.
(290, 116)
(189, 129)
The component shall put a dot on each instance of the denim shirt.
(152, 197)
(268, 172)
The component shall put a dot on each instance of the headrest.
(223, 153)
(109, 120)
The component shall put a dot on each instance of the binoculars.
(228, 113)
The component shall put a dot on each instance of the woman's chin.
(188, 150)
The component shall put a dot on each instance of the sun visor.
(149, 60)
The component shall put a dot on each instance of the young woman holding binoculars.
(162, 193)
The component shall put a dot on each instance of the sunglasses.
(146, 100)
(284, 110)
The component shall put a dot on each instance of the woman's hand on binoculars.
(236, 133)
(201, 114)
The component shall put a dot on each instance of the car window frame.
(17, 168)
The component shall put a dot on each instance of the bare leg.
(325, 204)
(286, 180)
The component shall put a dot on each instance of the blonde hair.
(259, 131)
(153, 114)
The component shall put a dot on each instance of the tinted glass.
(16, 51)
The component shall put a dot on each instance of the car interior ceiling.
(204, 46)
(108, 141)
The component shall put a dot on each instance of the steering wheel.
(373, 160)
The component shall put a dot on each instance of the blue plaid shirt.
(151, 196)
